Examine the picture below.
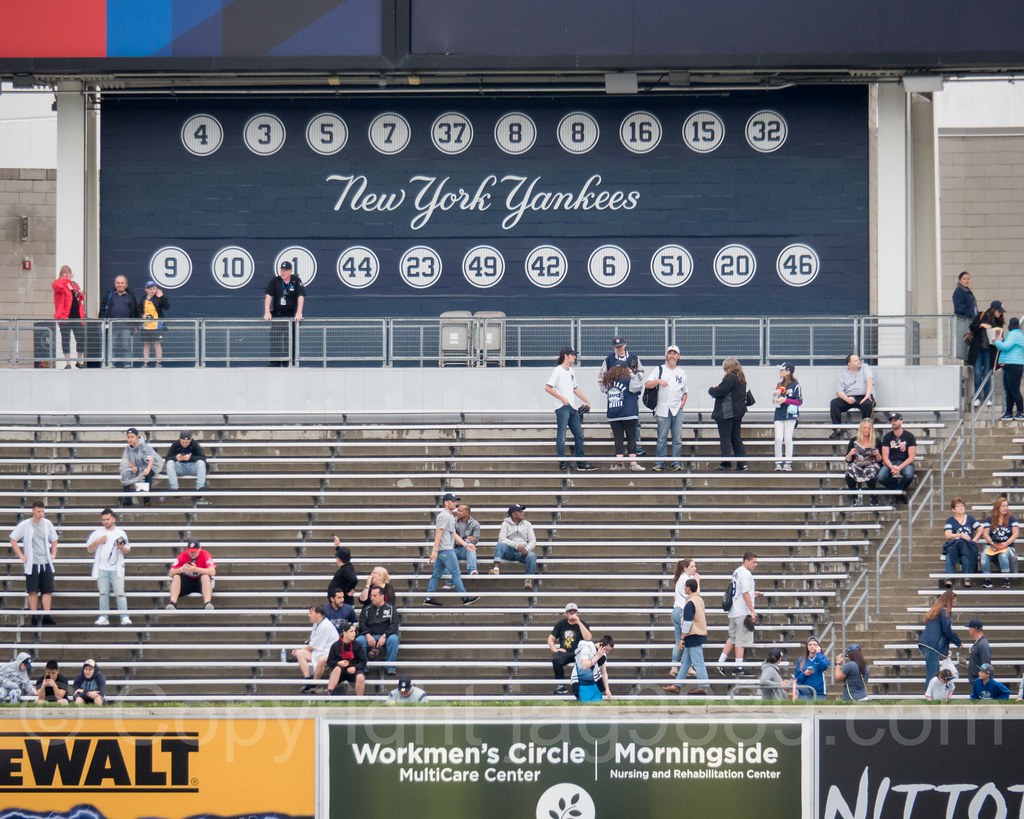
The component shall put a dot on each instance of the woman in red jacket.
(69, 310)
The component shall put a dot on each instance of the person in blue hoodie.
(938, 634)
(621, 387)
(987, 687)
(1011, 358)
(809, 671)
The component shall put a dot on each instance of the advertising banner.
(920, 768)
(562, 770)
(738, 204)
(160, 768)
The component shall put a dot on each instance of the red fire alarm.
(26, 264)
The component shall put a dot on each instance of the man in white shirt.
(108, 545)
(312, 657)
(743, 597)
(561, 385)
(670, 379)
(37, 551)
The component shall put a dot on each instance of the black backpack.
(650, 396)
(729, 595)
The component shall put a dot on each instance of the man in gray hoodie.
(15, 682)
(140, 464)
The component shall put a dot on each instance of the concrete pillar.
(71, 184)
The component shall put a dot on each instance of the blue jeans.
(469, 555)
(568, 418)
(446, 563)
(1003, 559)
(692, 656)
(673, 424)
(982, 366)
(901, 481)
(390, 648)
(195, 469)
(504, 551)
(677, 627)
(931, 663)
(963, 552)
(121, 343)
(106, 581)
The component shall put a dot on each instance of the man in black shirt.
(283, 299)
(345, 576)
(186, 457)
(898, 450)
(981, 651)
(562, 641)
(120, 305)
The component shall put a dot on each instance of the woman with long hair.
(863, 461)
(852, 671)
(809, 671)
(961, 532)
(685, 569)
(979, 353)
(622, 386)
(787, 398)
(938, 634)
(1000, 533)
(730, 396)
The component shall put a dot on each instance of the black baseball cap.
(450, 497)
(895, 416)
(567, 351)
(193, 544)
(975, 623)
(286, 265)
(516, 507)
(404, 684)
(618, 341)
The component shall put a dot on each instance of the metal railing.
(953, 445)
(475, 340)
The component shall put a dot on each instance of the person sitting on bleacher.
(863, 460)
(345, 577)
(516, 541)
(379, 577)
(193, 571)
(854, 389)
(140, 466)
(312, 657)
(186, 457)
(960, 546)
(378, 629)
(987, 687)
(90, 686)
(347, 662)
(337, 611)
(1000, 533)
(770, 680)
(899, 449)
(562, 642)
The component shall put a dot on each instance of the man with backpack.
(740, 597)
(669, 382)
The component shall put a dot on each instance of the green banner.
(569, 770)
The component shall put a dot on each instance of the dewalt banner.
(73, 765)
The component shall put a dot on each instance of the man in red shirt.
(193, 571)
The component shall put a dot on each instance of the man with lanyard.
(283, 299)
(39, 539)
(108, 545)
(443, 554)
(621, 357)
(672, 394)
(119, 306)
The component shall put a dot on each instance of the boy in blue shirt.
(986, 687)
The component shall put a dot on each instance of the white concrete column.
(71, 176)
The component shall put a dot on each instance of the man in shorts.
(742, 615)
(192, 572)
(34, 542)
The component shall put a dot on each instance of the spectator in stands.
(742, 615)
(938, 634)
(987, 687)
(965, 306)
(15, 682)
(622, 388)
(153, 308)
(38, 553)
(562, 642)
(962, 532)
(119, 308)
(787, 398)
(730, 396)
(899, 449)
(693, 631)
(670, 379)
(379, 629)
(52, 686)
(1011, 359)
(863, 460)
(589, 678)
(406, 693)
(853, 672)
(984, 328)
(941, 688)
(1000, 533)
(193, 571)
(442, 555)
(467, 528)
(108, 545)
(621, 356)
(770, 681)
(337, 611)
(379, 577)
(685, 569)
(561, 385)
(312, 657)
(345, 576)
(90, 686)
(516, 541)
(140, 466)
(186, 457)
(69, 311)
(981, 651)
(854, 391)
(347, 662)
(283, 300)
(809, 671)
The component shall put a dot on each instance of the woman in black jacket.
(980, 353)
(730, 406)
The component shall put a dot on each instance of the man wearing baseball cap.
(283, 300)
(154, 307)
(898, 450)
(516, 541)
(987, 687)
(406, 693)
(443, 554)
(193, 571)
(562, 641)
(981, 651)
(186, 457)
(670, 381)
(621, 357)
(561, 385)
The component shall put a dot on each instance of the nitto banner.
(920, 768)
(734, 204)
(563, 770)
(159, 768)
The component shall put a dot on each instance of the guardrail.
(481, 339)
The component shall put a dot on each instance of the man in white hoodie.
(38, 551)
(108, 545)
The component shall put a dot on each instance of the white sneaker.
(495, 570)
(988, 403)
(126, 620)
(102, 620)
(787, 467)
(778, 467)
(637, 467)
(977, 402)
